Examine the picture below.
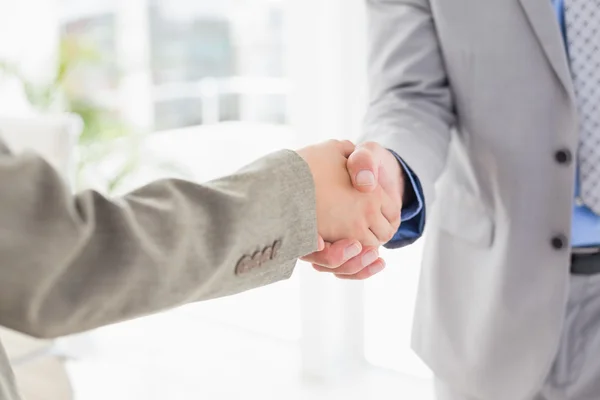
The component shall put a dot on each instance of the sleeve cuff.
(413, 214)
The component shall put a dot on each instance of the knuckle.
(390, 235)
(310, 258)
(347, 269)
(319, 268)
(371, 241)
(375, 242)
(371, 210)
(320, 259)
(345, 146)
(393, 228)
(397, 221)
(395, 217)
(364, 275)
(361, 276)
(372, 146)
(359, 229)
(350, 267)
(357, 269)
(330, 260)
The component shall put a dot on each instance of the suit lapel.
(545, 25)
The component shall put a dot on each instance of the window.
(201, 75)
(207, 63)
(97, 33)
(215, 74)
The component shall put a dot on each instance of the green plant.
(104, 131)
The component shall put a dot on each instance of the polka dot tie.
(582, 22)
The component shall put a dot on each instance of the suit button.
(276, 247)
(266, 254)
(244, 265)
(563, 156)
(559, 242)
(256, 259)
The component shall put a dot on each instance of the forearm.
(72, 264)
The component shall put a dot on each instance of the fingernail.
(351, 251)
(374, 269)
(369, 258)
(365, 178)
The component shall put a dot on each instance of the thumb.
(363, 168)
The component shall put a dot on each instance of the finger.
(334, 255)
(379, 223)
(391, 210)
(363, 167)
(346, 147)
(382, 229)
(354, 265)
(370, 238)
(367, 272)
(320, 244)
(317, 254)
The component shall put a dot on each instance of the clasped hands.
(359, 192)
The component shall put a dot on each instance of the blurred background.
(117, 93)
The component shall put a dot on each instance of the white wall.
(29, 37)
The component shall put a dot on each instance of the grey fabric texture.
(74, 263)
(575, 374)
(477, 98)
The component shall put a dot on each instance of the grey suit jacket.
(71, 264)
(476, 97)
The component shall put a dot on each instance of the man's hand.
(343, 212)
(371, 168)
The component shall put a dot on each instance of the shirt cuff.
(413, 214)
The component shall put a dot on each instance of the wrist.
(306, 155)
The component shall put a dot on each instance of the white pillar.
(326, 63)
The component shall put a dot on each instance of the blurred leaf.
(73, 54)
(9, 69)
(99, 124)
(103, 128)
(126, 170)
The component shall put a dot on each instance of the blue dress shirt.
(585, 229)
(413, 214)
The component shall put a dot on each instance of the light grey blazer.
(476, 96)
(70, 264)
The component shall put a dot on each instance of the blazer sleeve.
(411, 110)
(73, 263)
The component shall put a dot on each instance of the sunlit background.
(122, 92)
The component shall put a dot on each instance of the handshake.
(359, 194)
